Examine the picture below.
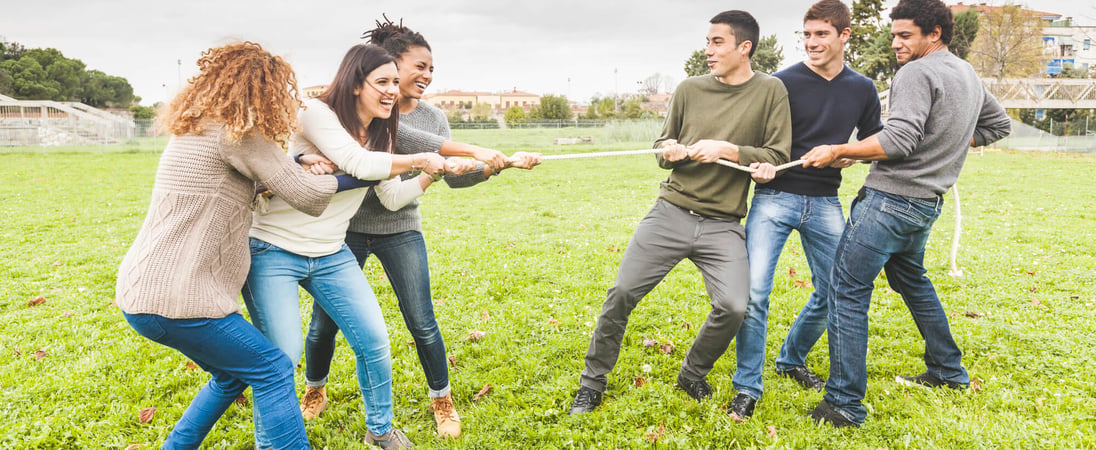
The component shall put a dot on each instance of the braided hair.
(394, 38)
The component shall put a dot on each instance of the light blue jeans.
(888, 232)
(236, 355)
(773, 215)
(403, 256)
(338, 285)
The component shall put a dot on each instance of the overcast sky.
(573, 48)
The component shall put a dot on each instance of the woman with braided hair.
(395, 237)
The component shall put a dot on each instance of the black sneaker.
(928, 380)
(697, 389)
(586, 400)
(742, 407)
(804, 377)
(825, 412)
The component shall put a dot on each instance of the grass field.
(526, 259)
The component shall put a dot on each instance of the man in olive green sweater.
(733, 114)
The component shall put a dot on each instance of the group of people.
(808, 112)
(233, 212)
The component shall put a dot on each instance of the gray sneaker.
(392, 440)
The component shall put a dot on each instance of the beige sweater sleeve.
(264, 161)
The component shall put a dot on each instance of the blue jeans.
(889, 232)
(773, 215)
(340, 288)
(403, 256)
(236, 355)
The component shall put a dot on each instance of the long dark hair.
(359, 61)
(396, 39)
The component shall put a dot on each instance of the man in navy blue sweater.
(828, 101)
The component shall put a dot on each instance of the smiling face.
(910, 43)
(377, 94)
(416, 71)
(724, 56)
(825, 46)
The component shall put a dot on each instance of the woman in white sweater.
(352, 122)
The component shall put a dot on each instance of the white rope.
(648, 151)
(955, 271)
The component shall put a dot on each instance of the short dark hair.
(833, 12)
(927, 15)
(395, 39)
(743, 24)
(359, 62)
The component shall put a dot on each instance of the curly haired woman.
(178, 285)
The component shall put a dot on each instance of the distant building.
(313, 91)
(1063, 42)
(500, 102)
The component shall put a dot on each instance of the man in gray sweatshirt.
(938, 108)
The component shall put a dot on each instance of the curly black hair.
(927, 15)
(394, 38)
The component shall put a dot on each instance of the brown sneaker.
(314, 402)
(446, 416)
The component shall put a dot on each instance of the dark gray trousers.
(663, 238)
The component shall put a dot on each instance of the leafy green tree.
(606, 108)
(12, 50)
(697, 64)
(768, 56)
(878, 61)
(29, 80)
(515, 114)
(633, 109)
(867, 20)
(966, 29)
(5, 83)
(554, 107)
(142, 112)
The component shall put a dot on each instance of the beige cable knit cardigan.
(191, 256)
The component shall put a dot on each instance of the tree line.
(46, 74)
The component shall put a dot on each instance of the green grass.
(513, 257)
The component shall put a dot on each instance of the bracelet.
(413, 165)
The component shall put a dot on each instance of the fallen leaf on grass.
(190, 365)
(686, 325)
(36, 301)
(133, 447)
(1031, 272)
(1036, 302)
(802, 284)
(791, 272)
(771, 431)
(475, 335)
(66, 314)
(972, 314)
(953, 314)
(1033, 289)
(145, 415)
(1039, 402)
(481, 393)
(410, 343)
(39, 354)
(511, 245)
(453, 361)
(975, 384)
(56, 263)
(553, 322)
(655, 436)
(485, 315)
(639, 382)
(113, 303)
(648, 342)
(666, 348)
(17, 352)
(612, 250)
(241, 400)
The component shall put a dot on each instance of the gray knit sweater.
(191, 256)
(423, 129)
(937, 104)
